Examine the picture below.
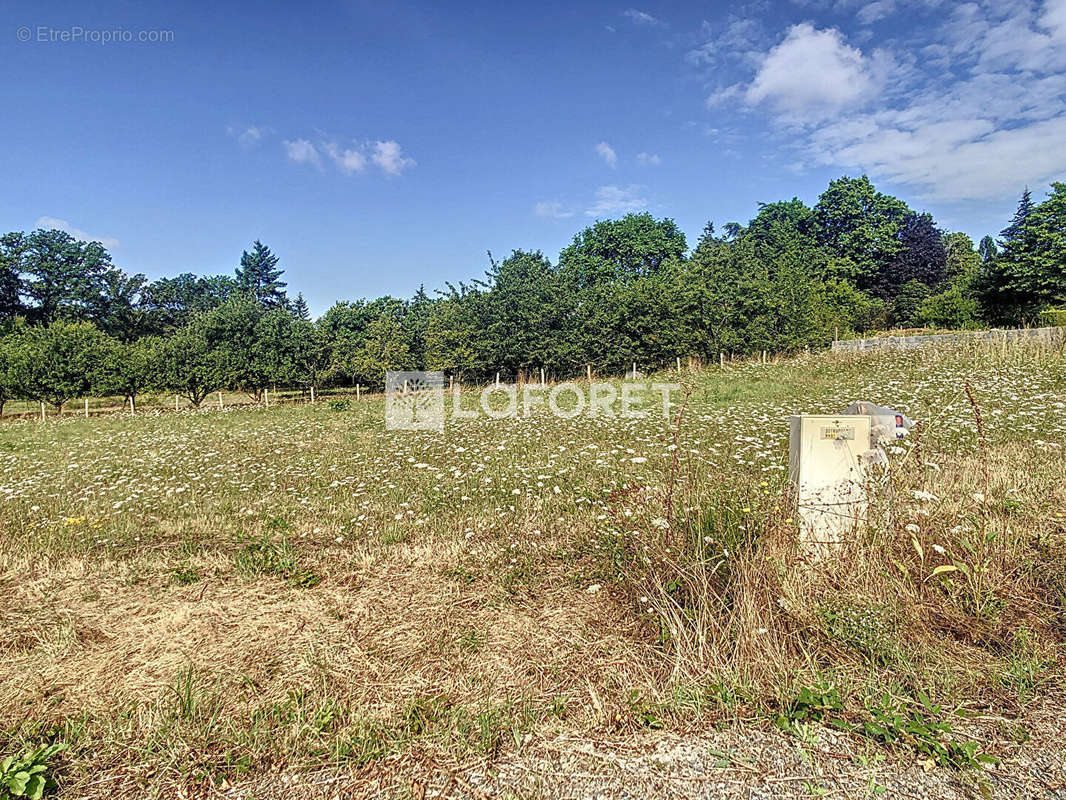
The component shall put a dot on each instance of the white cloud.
(739, 39)
(649, 159)
(616, 200)
(1054, 19)
(247, 137)
(643, 18)
(606, 152)
(552, 209)
(987, 119)
(811, 74)
(871, 12)
(347, 160)
(724, 95)
(956, 159)
(970, 106)
(61, 224)
(302, 151)
(389, 156)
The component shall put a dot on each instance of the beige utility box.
(826, 457)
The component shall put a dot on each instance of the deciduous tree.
(61, 361)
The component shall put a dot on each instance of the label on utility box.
(841, 432)
(825, 461)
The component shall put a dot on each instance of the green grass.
(231, 594)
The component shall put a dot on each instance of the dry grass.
(402, 613)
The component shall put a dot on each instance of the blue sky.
(377, 147)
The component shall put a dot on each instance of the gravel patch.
(753, 761)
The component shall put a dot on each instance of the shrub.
(1053, 316)
(952, 308)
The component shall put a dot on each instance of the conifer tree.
(300, 309)
(1017, 223)
(258, 276)
(987, 249)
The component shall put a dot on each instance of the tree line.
(623, 291)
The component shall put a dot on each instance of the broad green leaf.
(17, 782)
(35, 787)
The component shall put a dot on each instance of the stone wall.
(1048, 335)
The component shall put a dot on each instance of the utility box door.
(826, 469)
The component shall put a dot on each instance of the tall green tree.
(987, 249)
(276, 340)
(58, 362)
(345, 327)
(415, 319)
(1021, 214)
(189, 366)
(133, 368)
(1033, 260)
(259, 276)
(116, 309)
(12, 250)
(452, 334)
(526, 314)
(170, 303)
(383, 347)
(234, 339)
(62, 277)
(962, 262)
(310, 354)
(859, 226)
(955, 304)
(299, 307)
(624, 249)
(9, 387)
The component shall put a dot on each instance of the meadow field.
(222, 603)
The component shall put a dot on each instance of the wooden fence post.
(86, 408)
(312, 394)
(679, 364)
(588, 370)
(497, 380)
(220, 401)
(721, 360)
(43, 417)
(175, 402)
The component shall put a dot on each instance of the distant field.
(200, 600)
